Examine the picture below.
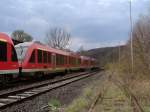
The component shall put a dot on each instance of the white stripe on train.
(16, 71)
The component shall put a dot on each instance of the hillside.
(104, 55)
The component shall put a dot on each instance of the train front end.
(8, 59)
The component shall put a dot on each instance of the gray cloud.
(91, 21)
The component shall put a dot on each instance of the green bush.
(54, 104)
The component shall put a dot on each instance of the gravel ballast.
(64, 94)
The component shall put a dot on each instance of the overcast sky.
(92, 23)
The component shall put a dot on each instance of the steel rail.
(28, 86)
(23, 94)
(135, 103)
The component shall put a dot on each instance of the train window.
(45, 56)
(79, 61)
(59, 59)
(13, 54)
(70, 60)
(74, 61)
(62, 60)
(65, 59)
(49, 57)
(32, 58)
(39, 56)
(3, 51)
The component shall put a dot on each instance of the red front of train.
(8, 58)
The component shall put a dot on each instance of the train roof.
(73, 54)
(42, 47)
(5, 38)
(85, 57)
(47, 48)
(88, 58)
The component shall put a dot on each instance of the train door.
(53, 61)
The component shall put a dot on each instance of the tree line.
(141, 51)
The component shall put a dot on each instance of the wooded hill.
(104, 55)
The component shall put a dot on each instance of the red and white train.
(31, 58)
(8, 58)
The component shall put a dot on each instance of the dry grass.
(83, 102)
(113, 93)
(114, 100)
(141, 89)
(138, 84)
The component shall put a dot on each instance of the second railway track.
(17, 96)
(28, 83)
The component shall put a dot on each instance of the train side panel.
(9, 67)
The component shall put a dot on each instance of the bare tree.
(141, 38)
(58, 38)
(141, 52)
(20, 35)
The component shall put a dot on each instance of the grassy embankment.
(137, 83)
(112, 98)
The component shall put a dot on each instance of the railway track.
(134, 101)
(28, 83)
(108, 103)
(17, 96)
(21, 81)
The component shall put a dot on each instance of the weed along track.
(98, 99)
(134, 101)
(15, 97)
(115, 98)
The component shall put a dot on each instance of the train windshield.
(21, 51)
